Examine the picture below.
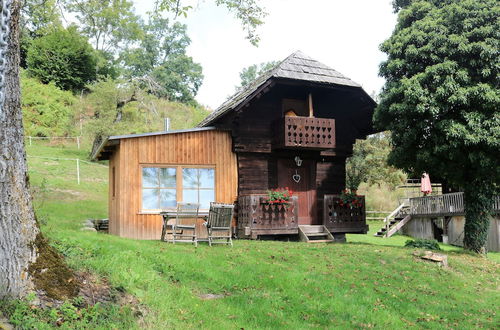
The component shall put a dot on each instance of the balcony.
(305, 133)
(340, 218)
(256, 217)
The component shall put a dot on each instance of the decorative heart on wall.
(296, 177)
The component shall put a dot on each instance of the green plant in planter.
(279, 196)
(350, 198)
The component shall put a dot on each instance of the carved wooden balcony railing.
(305, 132)
(340, 218)
(255, 217)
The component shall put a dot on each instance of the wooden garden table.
(201, 230)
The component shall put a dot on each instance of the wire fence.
(77, 139)
(77, 163)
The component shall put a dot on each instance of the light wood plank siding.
(204, 148)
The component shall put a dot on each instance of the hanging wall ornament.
(298, 161)
(296, 177)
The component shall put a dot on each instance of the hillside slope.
(369, 282)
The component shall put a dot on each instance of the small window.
(162, 188)
(159, 188)
(198, 186)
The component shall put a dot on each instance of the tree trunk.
(27, 262)
(18, 226)
(478, 212)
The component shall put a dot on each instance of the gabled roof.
(297, 66)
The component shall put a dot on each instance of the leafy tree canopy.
(160, 62)
(441, 99)
(249, 12)
(63, 57)
(250, 73)
(110, 25)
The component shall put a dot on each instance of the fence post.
(30, 140)
(78, 142)
(78, 170)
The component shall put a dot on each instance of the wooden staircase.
(394, 221)
(315, 234)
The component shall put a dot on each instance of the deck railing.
(443, 205)
(305, 132)
(341, 218)
(254, 214)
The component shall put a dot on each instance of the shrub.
(429, 244)
(63, 57)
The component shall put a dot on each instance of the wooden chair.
(185, 212)
(218, 225)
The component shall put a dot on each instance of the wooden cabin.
(293, 127)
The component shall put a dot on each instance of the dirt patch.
(50, 273)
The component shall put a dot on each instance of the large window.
(163, 187)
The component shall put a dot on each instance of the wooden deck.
(442, 205)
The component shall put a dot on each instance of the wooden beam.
(311, 109)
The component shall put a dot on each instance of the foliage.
(160, 62)
(249, 12)
(369, 163)
(250, 73)
(420, 243)
(63, 57)
(110, 25)
(39, 16)
(47, 110)
(350, 198)
(279, 196)
(113, 108)
(23, 314)
(441, 100)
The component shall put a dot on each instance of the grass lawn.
(368, 282)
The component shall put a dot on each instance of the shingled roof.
(297, 66)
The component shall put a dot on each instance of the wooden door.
(288, 175)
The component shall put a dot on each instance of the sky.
(344, 35)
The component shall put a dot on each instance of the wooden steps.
(315, 234)
(394, 222)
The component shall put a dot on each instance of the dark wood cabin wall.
(330, 179)
(253, 133)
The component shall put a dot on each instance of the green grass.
(368, 282)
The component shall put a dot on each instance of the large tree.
(26, 260)
(250, 73)
(441, 99)
(160, 62)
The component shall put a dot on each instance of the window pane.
(207, 178)
(190, 196)
(149, 177)
(190, 178)
(150, 199)
(168, 198)
(167, 177)
(206, 196)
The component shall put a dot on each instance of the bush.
(428, 244)
(47, 110)
(63, 57)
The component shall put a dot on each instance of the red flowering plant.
(279, 196)
(350, 198)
